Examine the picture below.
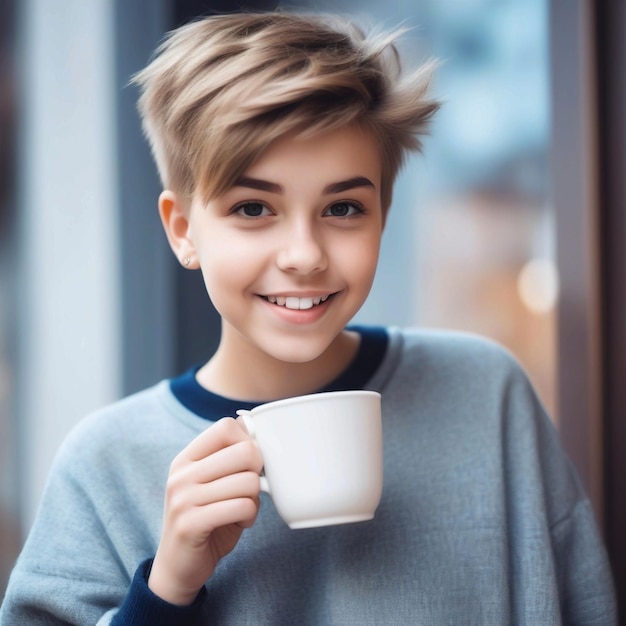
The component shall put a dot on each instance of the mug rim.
(323, 395)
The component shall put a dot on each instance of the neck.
(238, 376)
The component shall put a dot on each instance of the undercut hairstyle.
(221, 89)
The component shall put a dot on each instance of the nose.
(302, 251)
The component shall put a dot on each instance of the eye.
(251, 209)
(344, 209)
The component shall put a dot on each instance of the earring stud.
(186, 261)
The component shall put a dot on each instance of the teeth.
(292, 302)
(295, 303)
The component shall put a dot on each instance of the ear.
(175, 220)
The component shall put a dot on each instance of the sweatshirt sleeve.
(583, 572)
(99, 517)
(143, 608)
(550, 510)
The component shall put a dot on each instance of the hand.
(212, 494)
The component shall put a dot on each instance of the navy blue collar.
(210, 406)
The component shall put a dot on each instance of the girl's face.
(289, 253)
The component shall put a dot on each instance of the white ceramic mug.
(323, 456)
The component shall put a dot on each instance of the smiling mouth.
(297, 304)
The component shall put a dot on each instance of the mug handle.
(246, 416)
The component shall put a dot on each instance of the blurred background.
(512, 224)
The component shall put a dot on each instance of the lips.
(296, 303)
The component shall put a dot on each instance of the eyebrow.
(338, 187)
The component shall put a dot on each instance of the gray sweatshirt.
(482, 520)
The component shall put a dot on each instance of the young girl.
(278, 138)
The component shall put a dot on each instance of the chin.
(297, 350)
(295, 356)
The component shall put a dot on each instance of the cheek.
(227, 267)
(361, 260)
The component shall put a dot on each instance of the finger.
(212, 516)
(240, 457)
(223, 433)
(232, 487)
(250, 522)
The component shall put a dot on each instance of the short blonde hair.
(221, 89)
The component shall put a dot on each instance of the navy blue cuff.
(142, 607)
